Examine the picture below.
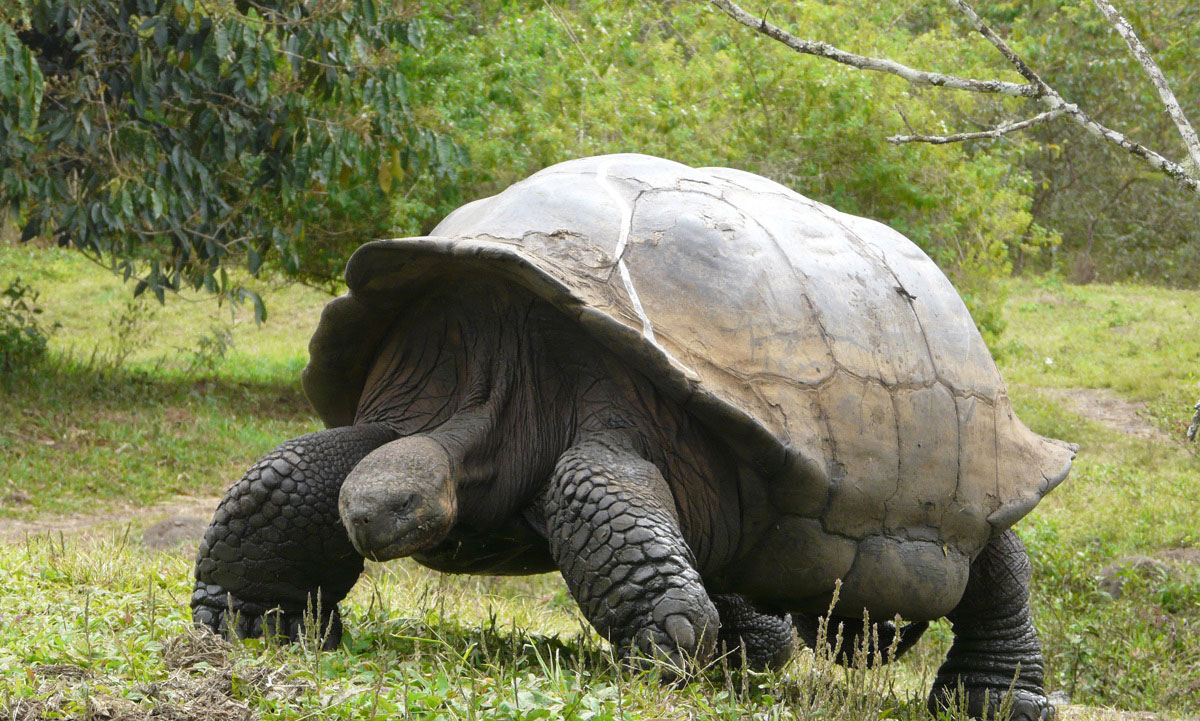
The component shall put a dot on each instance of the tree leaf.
(221, 40)
(7, 73)
(415, 34)
(260, 309)
(384, 174)
(31, 229)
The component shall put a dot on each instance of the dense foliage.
(1118, 220)
(23, 335)
(169, 138)
(528, 84)
(165, 137)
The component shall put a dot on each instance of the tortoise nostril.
(361, 519)
(403, 503)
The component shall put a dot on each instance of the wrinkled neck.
(506, 384)
(468, 368)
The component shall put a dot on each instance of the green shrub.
(174, 140)
(23, 336)
(525, 85)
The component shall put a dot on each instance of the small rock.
(1060, 698)
(1183, 556)
(17, 498)
(174, 532)
(1112, 578)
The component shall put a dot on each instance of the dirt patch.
(1189, 556)
(179, 416)
(109, 521)
(1104, 406)
(1167, 563)
(174, 532)
(1076, 712)
(204, 682)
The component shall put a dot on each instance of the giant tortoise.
(706, 400)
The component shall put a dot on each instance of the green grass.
(141, 401)
(1141, 342)
(1126, 495)
(105, 627)
(96, 629)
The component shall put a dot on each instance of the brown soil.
(114, 519)
(1091, 713)
(204, 682)
(1104, 406)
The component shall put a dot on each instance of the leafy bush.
(526, 85)
(23, 336)
(167, 138)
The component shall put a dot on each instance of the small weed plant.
(23, 336)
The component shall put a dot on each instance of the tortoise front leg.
(615, 536)
(277, 547)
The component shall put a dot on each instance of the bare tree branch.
(1174, 170)
(1186, 131)
(995, 132)
(1009, 54)
(880, 65)
(1050, 98)
(1037, 88)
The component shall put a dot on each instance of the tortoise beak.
(399, 499)
(383, 529)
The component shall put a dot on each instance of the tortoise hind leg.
(995, 645)
(750, 635)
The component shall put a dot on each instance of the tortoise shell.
(827, 350)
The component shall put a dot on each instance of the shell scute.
(863, 428)
(927, 425)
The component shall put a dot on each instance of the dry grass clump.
(205, 680)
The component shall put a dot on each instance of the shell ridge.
(767, 376)
(799, 274)
(958, 466)
(802, 278)
(805, 282)
(868, 250)
(626, 225)
(783, 191)
(996, 453)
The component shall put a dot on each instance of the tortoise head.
(399, 499)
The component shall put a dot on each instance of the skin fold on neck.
(505, 383)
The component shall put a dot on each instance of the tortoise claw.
(988, 702)
(226, 615)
